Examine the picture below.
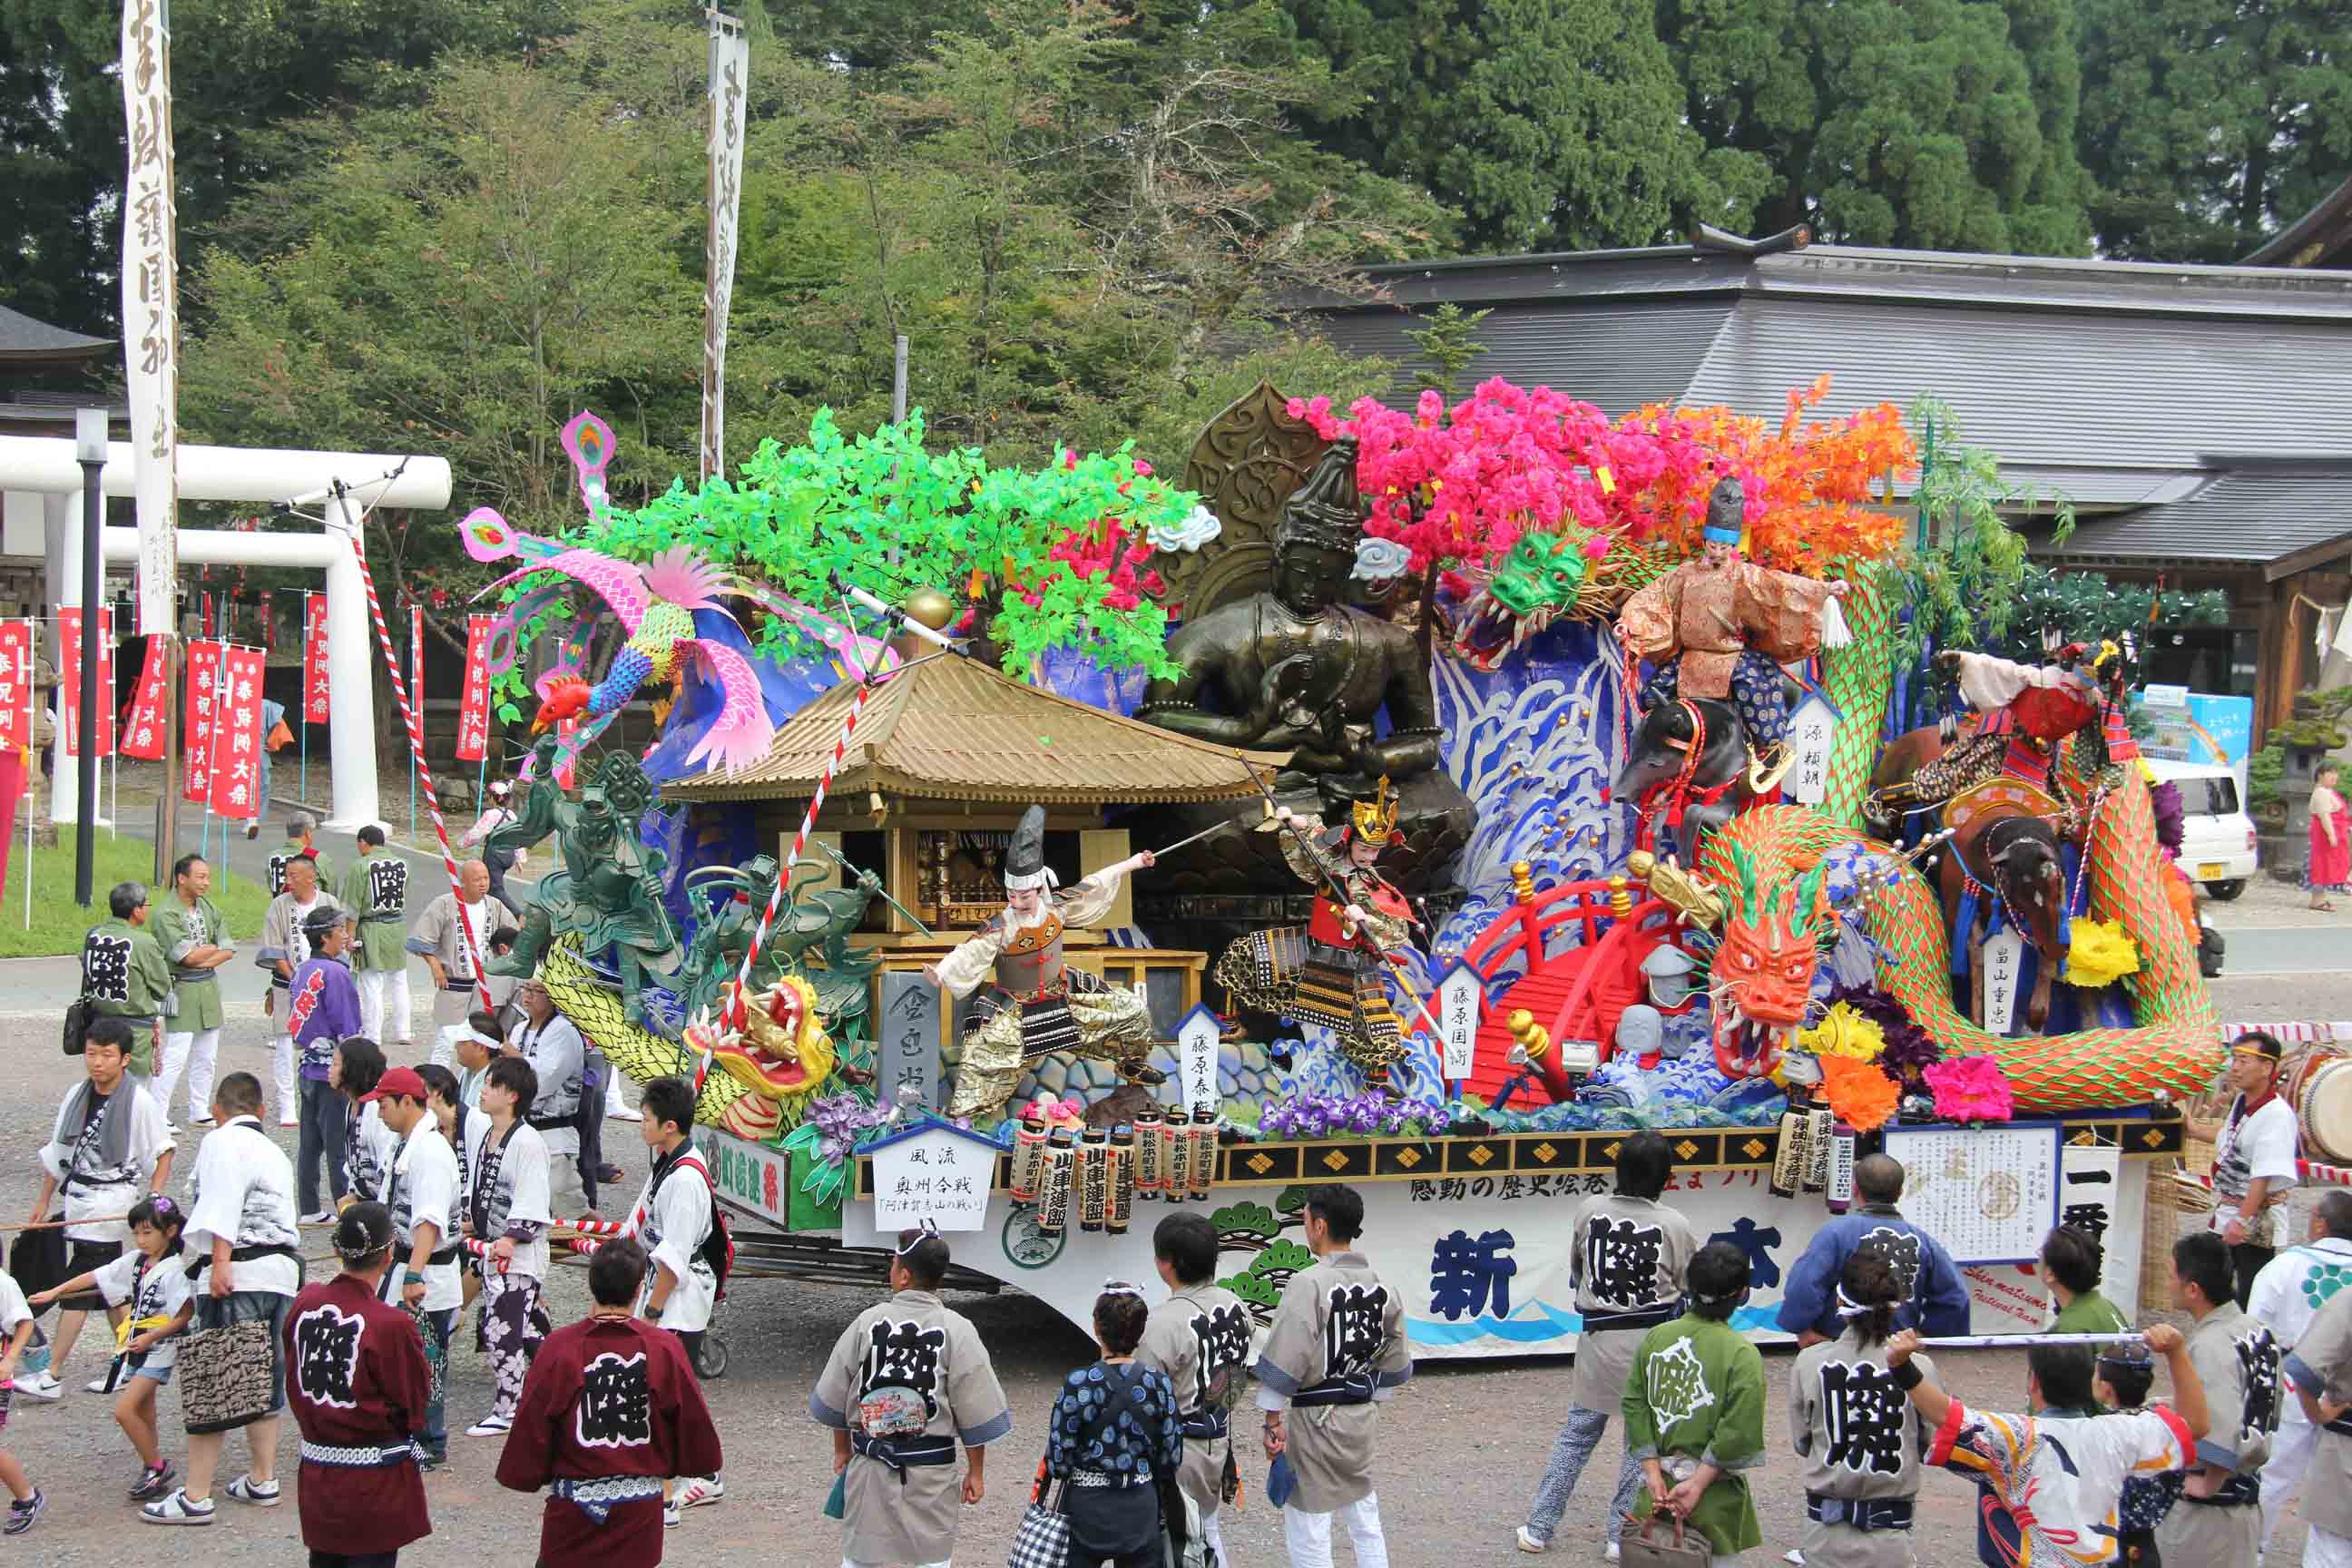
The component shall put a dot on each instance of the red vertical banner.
(70, 690)
(474, 712)
(236, 755)
(142, 726)
(205, 625)
(196, 739)
(316, 705)
(268, 622)
(16, 685)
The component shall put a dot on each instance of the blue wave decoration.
(1551, 1324)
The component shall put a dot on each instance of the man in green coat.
(125, 974)
(301, 839)
(375, 889)
(1694, 1409)
(189, 931)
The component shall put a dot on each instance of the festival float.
(1424, 800)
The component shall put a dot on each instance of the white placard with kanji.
(2004, 961)
(1461, 998)
(939, 1175)
(1196, 1056)
(1812, 729)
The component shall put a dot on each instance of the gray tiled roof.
(23, 338)
(2257, 513)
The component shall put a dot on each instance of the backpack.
(718, 1249)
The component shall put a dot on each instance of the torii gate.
(254, 476)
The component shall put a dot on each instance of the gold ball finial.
(929, 607)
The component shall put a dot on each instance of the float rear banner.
(730, 73)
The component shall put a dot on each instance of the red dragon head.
(1761, 972)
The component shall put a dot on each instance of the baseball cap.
(397, 1081)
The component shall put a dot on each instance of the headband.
(924, 1230)
(1121, 1288)
(490, 1040)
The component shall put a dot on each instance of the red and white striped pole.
(414, 719)
(866, 680)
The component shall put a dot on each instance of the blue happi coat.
(1939, 1300)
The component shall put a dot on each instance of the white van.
(2217, 843)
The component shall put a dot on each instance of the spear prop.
(873, 883)
(1339, 892)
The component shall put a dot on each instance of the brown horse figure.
(2010, 849)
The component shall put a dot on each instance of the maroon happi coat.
(356, 1378)
(607, 1398)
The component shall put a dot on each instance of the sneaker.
(323, 1216)
(1795, 1556)
(489, 1427)
(625, 1114)
(698, 1492)
(289, 1122)
(242, 1489)
(153, 1482)
(204, 1122)
(22, 1514)
(171, 1129)
(1611, 1552)
(178, 1509)
(429, 1461)
(45, 1386)
(1528, 1541)
(671, 1517)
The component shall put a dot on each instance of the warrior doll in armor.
(1332, 971)
(1030, 1003)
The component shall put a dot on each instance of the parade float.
(1422, 800)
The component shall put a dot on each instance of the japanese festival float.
(1424, 800)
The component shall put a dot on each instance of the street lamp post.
(89, 450)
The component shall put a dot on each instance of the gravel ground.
(1460, 1450)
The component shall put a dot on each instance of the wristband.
(412, 1276)
(1907, 1376)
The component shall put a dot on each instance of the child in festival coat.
(1201, 1338)
(1861, 1441)
(1693, 1409)
(16, 1330)
(150, 1281)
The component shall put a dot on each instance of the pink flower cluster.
(1971, 1089)
(1460, 485)
(1107, 551)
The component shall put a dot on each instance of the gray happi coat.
(2238, 1361)
(1629, 1257)
(1201, 1338)
(2322, 1362)
(911, 1341)
(1339, 1324)
(1859, 1436)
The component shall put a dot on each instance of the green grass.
(58, 923)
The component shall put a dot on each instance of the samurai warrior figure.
(1333, 970)
(1034, 1005)
(1721, 626)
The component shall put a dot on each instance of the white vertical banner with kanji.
(16, 685)
(417, 664)
(151, 307)
(69, 682)
(316, 706)
(143, 735)
(199, 702)
(474, 710)
(237, 748)
(730, 72)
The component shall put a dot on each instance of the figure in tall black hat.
(1030, 1003)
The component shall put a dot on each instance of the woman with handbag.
(1113, 1438)
(1694, 1418)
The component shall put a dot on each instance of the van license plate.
(2211, 870)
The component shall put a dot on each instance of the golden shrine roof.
(949, 728)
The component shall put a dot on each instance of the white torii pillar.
(46, 465)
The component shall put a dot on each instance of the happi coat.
(911, 1348)
(1858, 1439)
(1696, 1393)
(1936, 1299)
(1199, 1338)
(2322, 1362)
(2237, 1359)
(179, 930)
(1336, 1348)
(672, 1220)
(375, 889)
(2056, 1479)
(610, 1408)
(98, 1185)
(125, 975)
(1627, 1269)
(356, 1381)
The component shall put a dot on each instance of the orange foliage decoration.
(1807, 483)
(1859, 1093)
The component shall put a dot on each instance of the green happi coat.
(1696, 1392)
(375, 889)
(125, 974)
(179, 931)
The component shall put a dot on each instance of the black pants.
(349, 1560)
(1114, 1527)
(591, 1124)
(2137, 1549)
(2247, 1259)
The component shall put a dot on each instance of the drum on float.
(2319, 1087)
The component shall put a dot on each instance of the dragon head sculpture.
(781, 1053)
(1570, 572)
(1761, 971)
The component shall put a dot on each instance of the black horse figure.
(2013, 854)
(1698, 795)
